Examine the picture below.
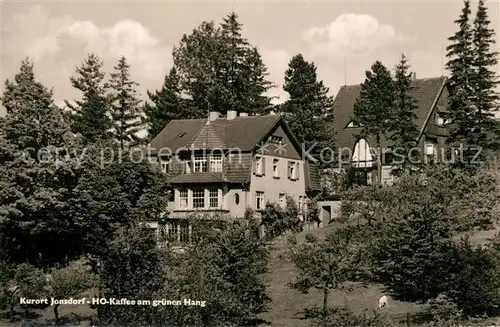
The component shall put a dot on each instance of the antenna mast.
(345, 70)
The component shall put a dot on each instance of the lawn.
(287, 304)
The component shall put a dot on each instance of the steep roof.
(244, 133)
(241, 132)
(425, 91)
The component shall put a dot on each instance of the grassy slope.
(287, 304)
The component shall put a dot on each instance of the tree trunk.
(12, 310)
(325, 299)
(56, 313)
(379, 161)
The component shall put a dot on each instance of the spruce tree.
(166, 105)
(90, 115)
(461, 102)
(404, 131)
(247, 74)
(374, 106)
(236, 47)
(255, 73)
(485, 82)
(308, 110)
(125, 110)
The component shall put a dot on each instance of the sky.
(343, 38)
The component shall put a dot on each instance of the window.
(301, 202)
(259, 166)
(178, 231)
(213, 197)
(352, 124)
(183, 227)
(282, 200)
(293, 170)
(198, 199)
(216, 163)
(440, 121)
(430, 149)
(276, 173)
(187, 167)
(276, 139)
(183, 199)
(165, 165)
(237, 198)
(259, 200)
(200, 164)
(172, 231)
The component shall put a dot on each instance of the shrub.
(278, 221)
(131, 268)
(340, 317)
(444, 311)
(69, 281)
(474, 284)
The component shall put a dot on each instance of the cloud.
(352, 35)
(57, 45)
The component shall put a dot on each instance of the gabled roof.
(241, 132)
(244, 133)
(425, 90)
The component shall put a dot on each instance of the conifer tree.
(125, 110)
(37, 174)
(461, 105)
(404, 131)
(89, 116)
(486, 97)
(220, 70)
(247, 72)
(255, 72)
(166, 105)
(374, 106)
(308, 110)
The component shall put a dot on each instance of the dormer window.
(352, 123)
(440, 120)
(200, 164)
(165, 165)
(216, 163)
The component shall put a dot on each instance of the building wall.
(272, 186)
(287, 150)
(236, 209)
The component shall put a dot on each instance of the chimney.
(213, 115)
(243, 114)
(413, 76)
(232, 114)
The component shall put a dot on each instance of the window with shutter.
(258, 166)
(292, 170)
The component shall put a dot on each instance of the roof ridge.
(415, 80)
(209, 128)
